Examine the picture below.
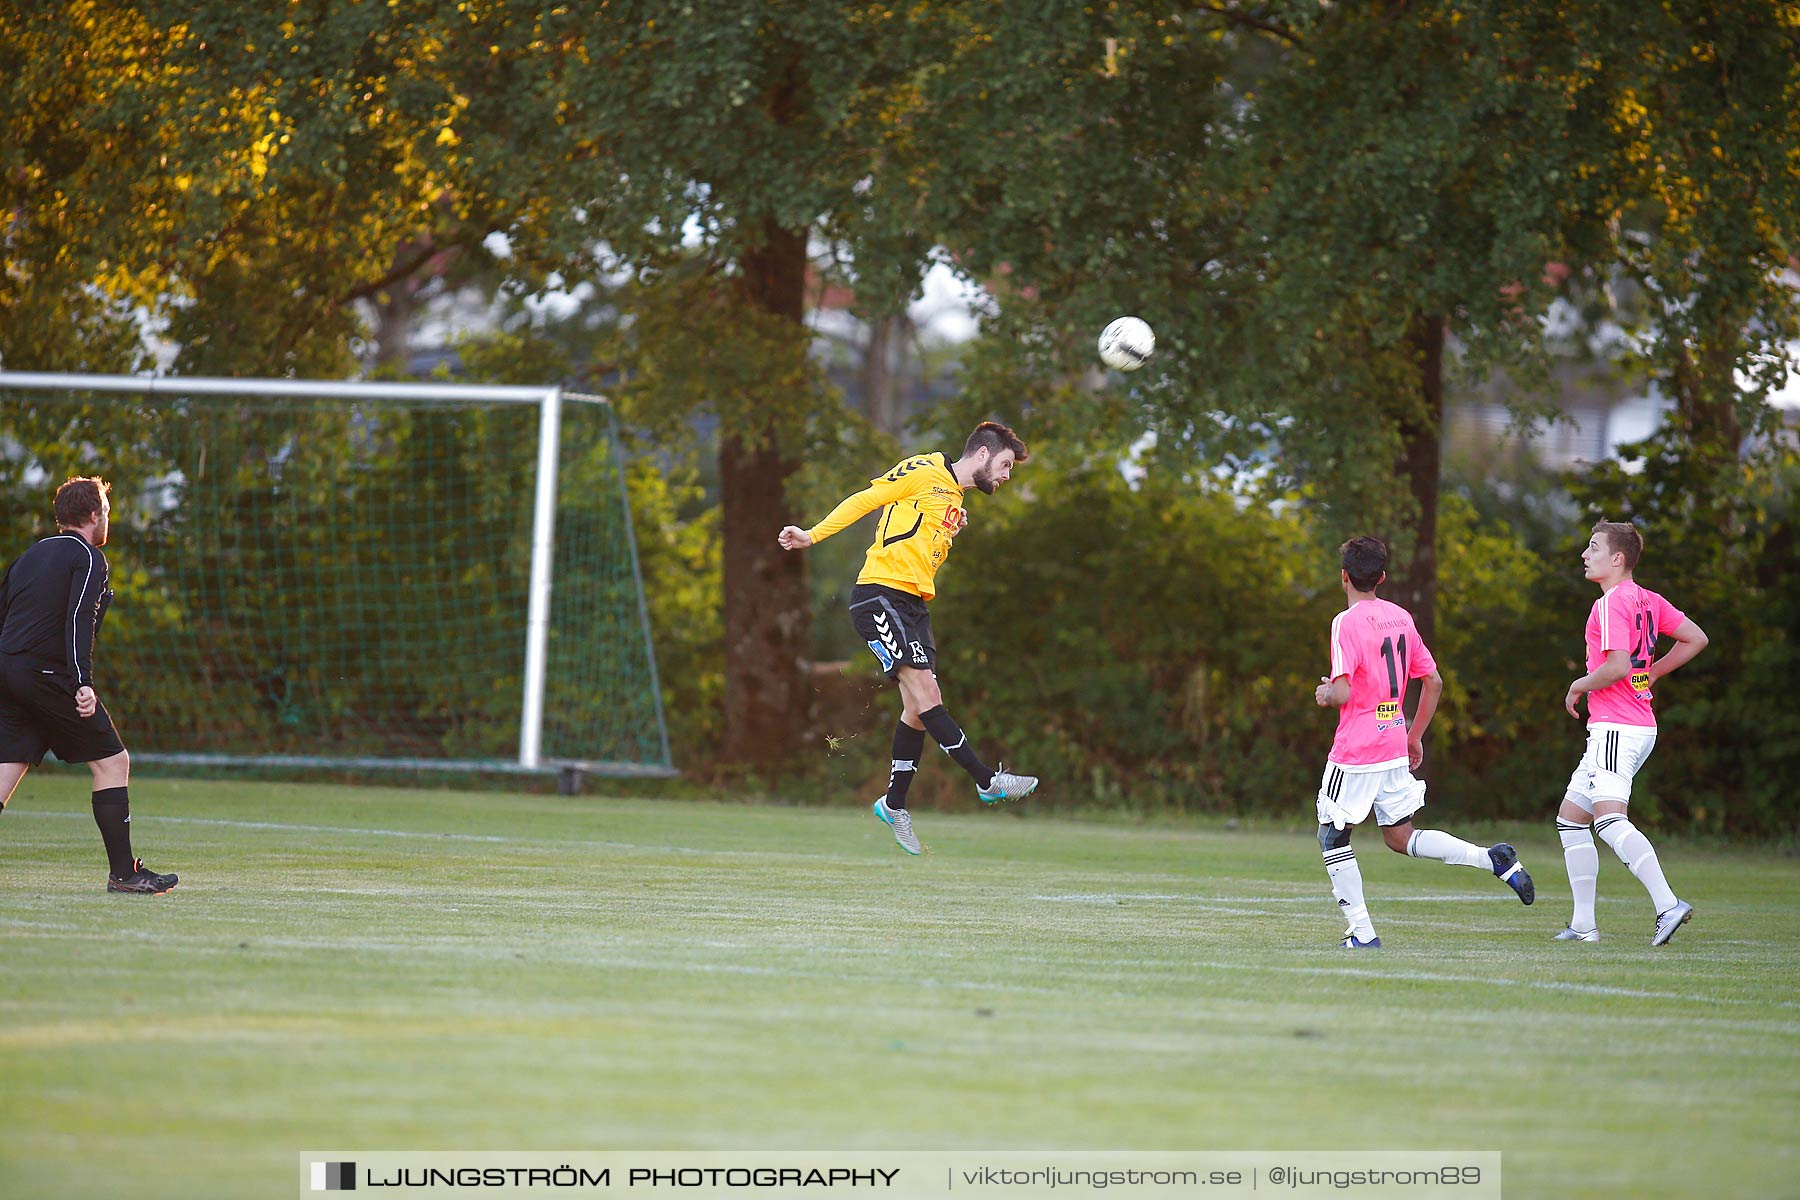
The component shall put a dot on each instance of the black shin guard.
(908, 743)
(112, 813)
(955, 743)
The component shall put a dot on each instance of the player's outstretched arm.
(886, 490)
(1690, 640)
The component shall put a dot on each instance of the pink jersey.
(1377, 645)
(1628, 618)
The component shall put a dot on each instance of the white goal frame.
(549, 402)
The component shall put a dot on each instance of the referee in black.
(52, 600)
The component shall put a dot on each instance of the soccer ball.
(1126, 344)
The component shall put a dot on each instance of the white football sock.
(1583, 861)
(1636, 852)
(1435, 843)
(1346, 885)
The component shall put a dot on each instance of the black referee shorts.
(37, 713)
(896, 625)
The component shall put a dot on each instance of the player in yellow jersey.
(921, 503)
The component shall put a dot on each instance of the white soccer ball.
(1126, 344)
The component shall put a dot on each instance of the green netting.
(347, 579)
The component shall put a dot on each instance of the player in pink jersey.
(1375, 651)
(1622, 629)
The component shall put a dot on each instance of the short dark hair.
(79, 499)
(1622, 537)
(995, 437)
(1364, 559)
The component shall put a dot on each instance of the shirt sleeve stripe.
(1606, 629)
(1337, 645)
(75, 624)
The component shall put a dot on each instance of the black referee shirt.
(52, 600)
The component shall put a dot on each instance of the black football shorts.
(37, 713)
(896, 625)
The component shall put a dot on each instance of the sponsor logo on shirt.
(1387, 715)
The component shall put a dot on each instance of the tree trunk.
(393, 327)
(1706, 398)
(394, 308)
(883, 376)
(768, 614)
(1421, 432)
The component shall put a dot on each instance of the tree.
(1393, 199)
(1325, 210)
(750, 129)
(1699, 106)
(707, 155)
(1425, 163)
(295, 150)
(1398, 171)
(81, 241)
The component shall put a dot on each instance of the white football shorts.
(1391, 792)
(1614, 754)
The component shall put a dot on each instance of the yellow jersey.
(923, 512)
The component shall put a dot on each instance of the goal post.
(359, 575)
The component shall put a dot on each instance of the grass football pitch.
(410, 970)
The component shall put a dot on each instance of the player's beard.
(984, 479)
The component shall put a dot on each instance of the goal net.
(360, 575)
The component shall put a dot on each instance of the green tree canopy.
(1322, 209)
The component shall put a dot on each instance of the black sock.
(112, 813)
(908, 742)
(955, 743)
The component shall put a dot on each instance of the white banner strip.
(893, 1175)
